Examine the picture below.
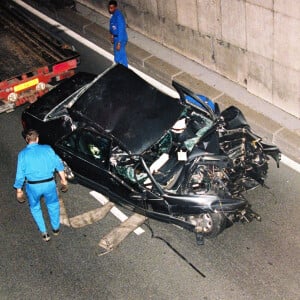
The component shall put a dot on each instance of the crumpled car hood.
(132, 110)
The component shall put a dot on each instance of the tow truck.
(32, 59)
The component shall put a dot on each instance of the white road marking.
(115, 211)
(290, 163)
(66, 30)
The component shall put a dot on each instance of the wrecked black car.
(176, 160)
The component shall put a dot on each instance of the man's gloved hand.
(20, 196)
(64, 186)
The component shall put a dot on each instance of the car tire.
(209, 224)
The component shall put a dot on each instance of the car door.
(87, 153)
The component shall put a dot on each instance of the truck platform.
(32, 59)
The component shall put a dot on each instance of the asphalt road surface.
(260, 260)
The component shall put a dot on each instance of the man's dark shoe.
(46, 237)
(55, 231)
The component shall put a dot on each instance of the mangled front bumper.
(197, 204)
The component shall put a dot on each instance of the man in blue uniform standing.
(36, 166)
(117, 28)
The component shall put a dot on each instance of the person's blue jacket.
(118, 27)
(36, 162)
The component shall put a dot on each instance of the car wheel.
(208, 224)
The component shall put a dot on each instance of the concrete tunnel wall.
(255, 43)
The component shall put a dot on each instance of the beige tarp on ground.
(118, 234)
(110, 241)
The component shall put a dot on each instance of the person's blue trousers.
(48, 190)
(121, 56)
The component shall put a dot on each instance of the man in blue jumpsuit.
(117, 28)
(36, 166)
